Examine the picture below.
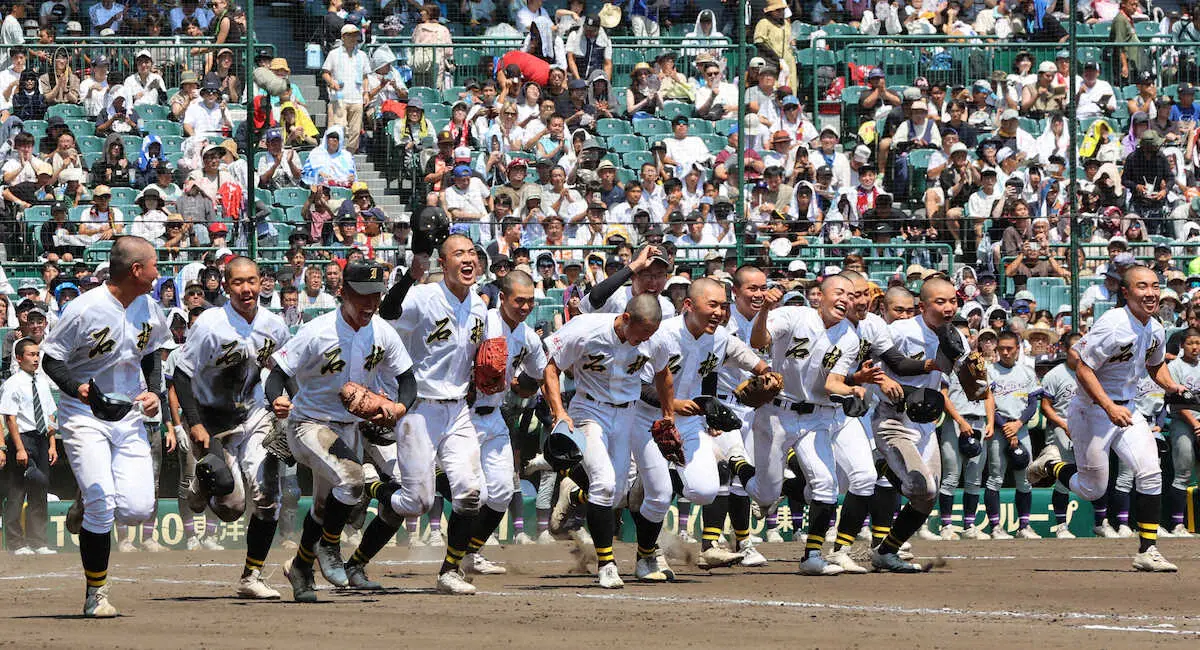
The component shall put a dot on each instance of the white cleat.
(436, 540)
(537, 464)
(415, 542)
(609, 578)
(454, 583)
(28, 550)
(209, 544)
(1062, 531)
(1179, 530)
(646, 570)
(924, 533)
(545, 537)
(1164, 533)
(477, 563)
(975, 532)
(1039, 472)
(523, 539)
(123, 546)
(46, 550)
(1153, 561)
(947, 534)
(1125, 532)
(561, 514)
(97, 605)
(999, 533)
(816, 565)
(843, 559)
(1105, 530)
(751, 557)
(152, 546)
(864, 535)
(660, 561)
(686, 537)
(756, 540)
(492, 540)
(891, 562)
(716, 557)
(1027, 532)
(252, 587)
(193, 543)
(773, 536)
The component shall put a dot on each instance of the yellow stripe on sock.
(814, 542)
(845, 539)
(646, 552)
(1143, 526)
(579, 497)
(1056, 468)
(475, 544)
(329, 538)
(741, 534)
(604, 553)
(711, 534)
(252, 563)
(454, 552)
(358, 557)
(305, 555)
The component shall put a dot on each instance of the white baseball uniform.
(98, 338)
(1118, 348)
(323, 356)
(607, 384)
(737, 443)
(621, 297)
(525, 355)
(224, 356)
(802, 417)
(443, 333)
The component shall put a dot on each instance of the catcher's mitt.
(364, 403)
(973, 377)
(666, 436)
(951, 344)
(491, 361)
(717, 415)
(759, 389)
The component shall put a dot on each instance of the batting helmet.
(108, 407)
(969, 445)
(923, 405)
(35, 476)
(564, 447)
(1018, 458)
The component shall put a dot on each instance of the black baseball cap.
(659, 256)
(365, 277)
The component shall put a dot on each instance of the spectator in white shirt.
(684, 150)
(106, 15)
(93, 89)
(313, 296)
(189, 9)
(691, 244)
(28, 407)
(717, 98)
(207, 116)
(145, 86)
(468, 199)
(1096, 96)
(827, 155)
(11, 32)
(345, 71)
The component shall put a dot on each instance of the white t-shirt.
(203, 120)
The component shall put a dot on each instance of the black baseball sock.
(739, 516)
(310, 534)
(1177, 503)
(854, 513)
(259, 535)
(1062, 472)
(647, 535)
(818, 525)
(375, 536)
(907, 522)
(1059, 501)
(94, 549)
(970, 508)
(883, 512)
(676, 482)
(991, 503)
(441, 484)
(1148, 511)
(1119, 503)
(1100, 510)
(335, 518)
(742, 469)
(793, 462)
(713, 516)
(1024, 503)
(485, 524)
(946, 508)
(458, 536)
(601, 525)
(793, 488)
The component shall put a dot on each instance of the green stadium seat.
(36, 128)
(850, 97)
(294, 214)
(652, 126)
(1042, 290)
(81, 127)
(66, 111)
(172, 143)
(155, 112)
(35, 214)
(450, 95)
(336, 193)
(427, 95)
(700, 127)
(635, 159)
(290, 196)
(671, 110)
(608, 126)
(918, 164)
(626, 143)
(162, 127)
(722, 126)
(437, 111)
(714, 142)
(123, 196)
(625, 175)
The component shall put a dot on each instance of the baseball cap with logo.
(365, 277)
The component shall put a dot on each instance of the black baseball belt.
(615, 405)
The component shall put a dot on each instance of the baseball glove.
(951, 346)
(852, 405)
(364, 403)
(759, 389)
(666, 436)
(276, 444)
(380, 436)
(491, 361)
(717, 415)
(972, 375)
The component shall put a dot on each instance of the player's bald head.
(853, 276)
(240, 264)
(934, 286)
(746, 273)
(831, 281)
(644, 309)
(454, 241)
(127, 251)
(703, 287)
(895, 295)
(516, 279)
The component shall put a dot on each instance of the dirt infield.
(1079, 593)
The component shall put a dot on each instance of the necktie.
(39, 415)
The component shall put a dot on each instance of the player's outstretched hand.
(1119, 415)
(771, 298)
(199, 435)
(149, 402)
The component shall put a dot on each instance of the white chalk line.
(1149, 630)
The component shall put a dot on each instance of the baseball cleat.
(304, 588)
(716, 557)
(436, 540)
(773, 536)
(414, 541)
(252, 587)
(193, 543)
(947, 534)
(975, 532)
(661, 561)
(1105, 530)
(1164, 533)
(815, 565)
(751, 557)
(1125, 532)
(928, 535)
(563, 511)
(196, 498)
(1178, 531)
(537, 464)
(1027, 532)
(25, 550)
(289, 544)
(686, 537)
(46, 550)
(329, 557)
(864, 535)
(74, 522)
(208, 543)
(97, 605)
(1153, 561)
(152, 546)
(123, 546)
(1039, 471)
(522, 538)
(454, 583)
(357, 575)
(646, 570)
(891, 562)
(477, 563)
(998, 532)
(609, 578)
(847, 563)
(582, 536)
(1062, 531)
(545, 537)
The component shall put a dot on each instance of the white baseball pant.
(854, 458)
(383, 458)
(255, 472)
(734, 443)
(777, 429)
(912, 452)
(112, 465)
(455, 442)
(413, 470)
(699, 473)
(495, 451)
(1093, 435)
(606, 456)
(333, 451)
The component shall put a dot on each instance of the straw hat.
(610, 16)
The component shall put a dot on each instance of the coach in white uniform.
(1123, 347)
(109, 335)
(606, 355)
(218, 384)
(350, 344)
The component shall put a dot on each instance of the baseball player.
(1058, 389)
(1183, 429)
(648, 272)
(815, 350)
(698, 345)
(606, 355)
(1012, 385)
(1123, 346)
(218, 382)
(104, 348)
(526, 362)
(349, 344)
